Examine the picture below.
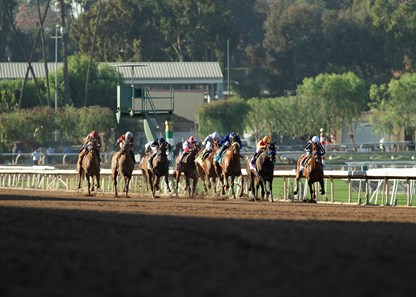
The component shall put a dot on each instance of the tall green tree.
(335, 100)
(396, 22)
(394, 107)
(223, 116)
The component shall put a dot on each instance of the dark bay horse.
(160, 168)
(264, 172)
(231, 167)
(124, 167)
(188, 168)
(207, 170)
(313, 172)
(90, 167)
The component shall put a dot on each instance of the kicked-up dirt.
(69, 244)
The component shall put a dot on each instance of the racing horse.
(188, 168)
(160, 165)
(313, 173)
(263, 174)
(207, 170)
(123, 167)
(231, 167)
(89, 167)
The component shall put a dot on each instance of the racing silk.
(260, 145)
(150, 147)
(208, 142)
(187, 146)
(308, 148)
(96, 141)
(227, 140)
(124, 143)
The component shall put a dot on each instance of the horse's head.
(164, 146)
(271, 151)
(316, 155)
(235, 146)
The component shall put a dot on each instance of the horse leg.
(232, 186)
(115, 173)
(295, 191)
(81, 177)
(89, 185)
(242, 186)
(126, 185)
(155, 186)
(167, 182)
(195, 182)
(177, 182)
(313, 195)
(271, 190)
(188, 185)
(262, 187)
(98, 180)
(321, 183)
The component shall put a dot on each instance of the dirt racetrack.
(67, 244)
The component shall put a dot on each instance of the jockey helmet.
(215, 135)
(94, 133)
(266, 139)
(232, 134)
(162, 140)
(192, 139)
(315, 139)
(129, 135)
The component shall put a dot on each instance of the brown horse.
(89, 167)
(188, 168)
(264, 172)
(207, 170)
(313, 172)
(124, 167)
(231, 167)
(160, 165)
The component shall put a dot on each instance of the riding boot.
(253, 160)
(302, 163)
(81, 156)
(205, 155)
(222, 149)
(179, 164)
(119, 154)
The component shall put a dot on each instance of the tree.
(335, 99)
(222, 116)
(394, 106)
(395, 20)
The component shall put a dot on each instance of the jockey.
(151, 148)
(308, 150)
(209, 144)
(260, 146)
(226, 142)
(126, 142)
(187, 146)
(96, 139)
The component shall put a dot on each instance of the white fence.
(387, 182)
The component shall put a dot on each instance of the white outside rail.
(49, 178)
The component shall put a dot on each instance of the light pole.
(57, 28)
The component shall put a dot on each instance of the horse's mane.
(235, 144)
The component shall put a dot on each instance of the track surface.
(67, 244)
